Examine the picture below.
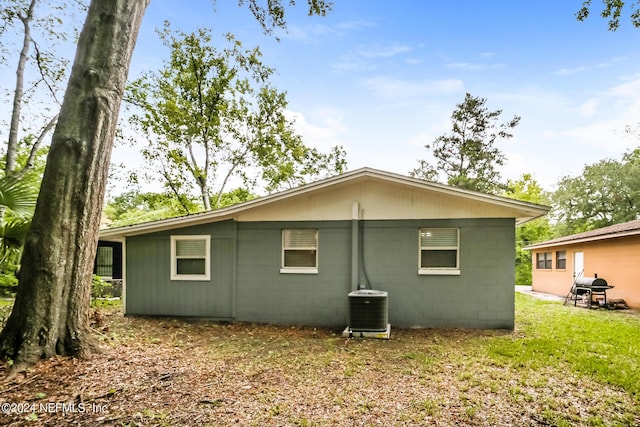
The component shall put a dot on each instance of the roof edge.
(535, 210)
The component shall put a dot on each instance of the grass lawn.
(562, 366)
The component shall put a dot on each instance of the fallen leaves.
(157, 371)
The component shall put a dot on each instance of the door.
(578, 264)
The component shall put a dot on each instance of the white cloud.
(315, 33)
(382, 51)
(322, 133)
(583, 68)
(589, 108)
(474, 66)
(390, 88)
(363, 57)
(629, 89)
(607, 130)
(421, 139)
(571, 71)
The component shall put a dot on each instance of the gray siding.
(247, 284)
(150, 290)
(266, 295)
(481, 297)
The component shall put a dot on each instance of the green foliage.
(210, 115)
(273, 15)
(106, 303)
(8, 279)
(17, 196)
(233, 197)
(612, 11)
(100, 288)
(17, 199)
(134, 207)
(605, 193)
(527, 189)
(467, 156)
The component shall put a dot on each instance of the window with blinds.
(190, 257)
(561, 260)
(299, 251)
(439, 251)
(544, 260)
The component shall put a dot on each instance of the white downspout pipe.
(355, 242)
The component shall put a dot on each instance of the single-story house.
(611, 253)
(445, 256)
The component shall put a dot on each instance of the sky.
(382, 78)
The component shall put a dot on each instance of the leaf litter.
(175, 372)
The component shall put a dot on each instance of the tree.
(605, 193)
(134, 207)
(526, 188)
(210, 114)
(40, 34)
(51, 310)
(612, 11)
(467, 156)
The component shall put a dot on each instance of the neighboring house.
(612, 253)
(445, 255)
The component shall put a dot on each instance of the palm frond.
(17, 196)
(12, 236)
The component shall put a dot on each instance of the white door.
(578, 264)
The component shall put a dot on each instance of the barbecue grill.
(585, 288)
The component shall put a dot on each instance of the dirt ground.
(156, 371)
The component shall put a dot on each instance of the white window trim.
(440, 271)
(207, 260)
(299, 270)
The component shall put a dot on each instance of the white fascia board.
(525, 211)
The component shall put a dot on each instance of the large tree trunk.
(51, 311)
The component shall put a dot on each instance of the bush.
(106, 289)
(8, 280)
(100, 288)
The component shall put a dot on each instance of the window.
(543, 260)
(561, 260)
(190, 257)
(299, 251)
(104, 262)
(439, 251)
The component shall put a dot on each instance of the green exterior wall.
(150, 290)
(246, 283)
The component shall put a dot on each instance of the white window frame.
(207, 258)
(546, 258)
(443, 271)
(299, 270)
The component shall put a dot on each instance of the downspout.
(123, 260)
(355, 245)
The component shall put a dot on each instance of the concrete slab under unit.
(384, 335)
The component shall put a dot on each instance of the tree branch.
(34, 148)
